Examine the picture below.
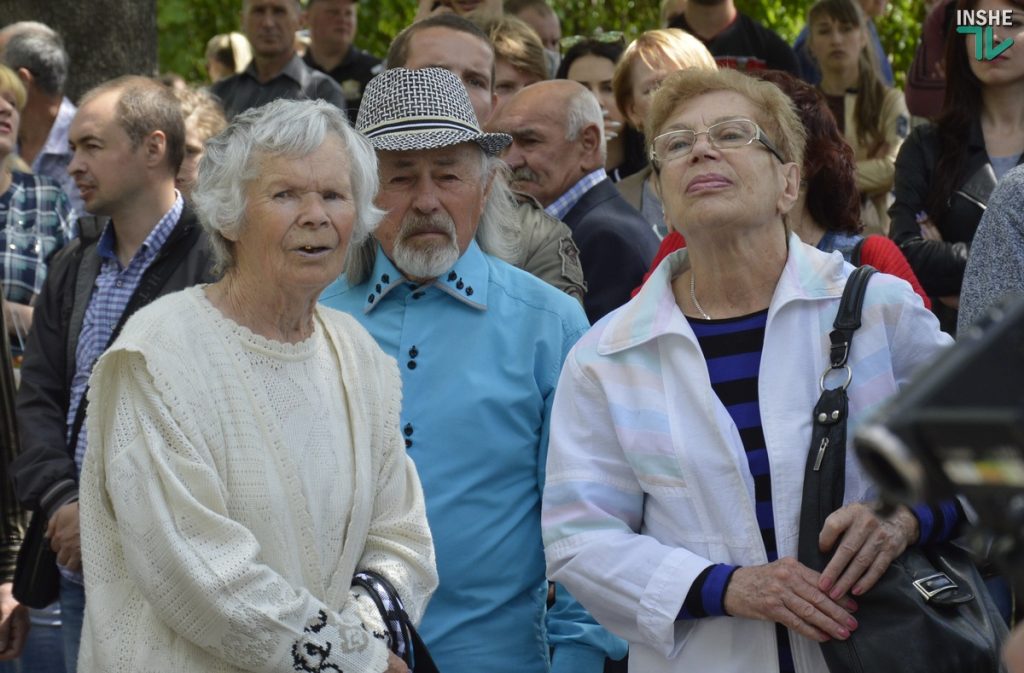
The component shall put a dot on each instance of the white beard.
(426, 261)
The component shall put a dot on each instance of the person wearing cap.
(449, 41)
(276, 70)
(480, 345)
(332, 30)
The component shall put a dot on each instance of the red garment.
(878, 251)
(881, 253)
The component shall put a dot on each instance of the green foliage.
(186, 25)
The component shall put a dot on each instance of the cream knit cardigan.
(198, 548)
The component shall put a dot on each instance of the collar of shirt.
(106, 247)
(465, 282)
(808, 275)
(564, 203)
(295, 70)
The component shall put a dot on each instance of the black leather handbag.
(404, 641)
(36, 577)
(930, 612)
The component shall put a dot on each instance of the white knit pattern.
(302, 383)
(211, 538)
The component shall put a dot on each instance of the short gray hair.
(497, 233)
(287, 128)
(583, 109)
(42, 54)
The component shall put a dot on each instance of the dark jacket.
(44, 472)
(616, 247)
(939, 265)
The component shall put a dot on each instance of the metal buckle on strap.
(845, 384)
(839, 353)
(933, 585)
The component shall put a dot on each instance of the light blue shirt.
(480, 350)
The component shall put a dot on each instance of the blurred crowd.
(524, 329)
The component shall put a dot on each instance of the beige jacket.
(547, 250)
(875, 174)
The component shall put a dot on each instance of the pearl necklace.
(693, 296)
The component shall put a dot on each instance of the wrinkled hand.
(395, 665)
(62, 531)
(867, 544)
(14, 624)
(786, 591)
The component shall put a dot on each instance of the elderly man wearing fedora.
(480, 345)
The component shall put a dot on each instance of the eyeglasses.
(607, 37)
(726, 135)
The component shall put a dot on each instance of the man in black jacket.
(557, 156)
(128, 139)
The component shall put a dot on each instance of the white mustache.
(418, 224)
(524, 174)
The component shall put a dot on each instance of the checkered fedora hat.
(419, 110)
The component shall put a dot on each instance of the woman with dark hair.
(872, 116)
(591, 62)
(945, 172)
(826, 214)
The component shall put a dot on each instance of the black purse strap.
(825, 471)
(405, 641)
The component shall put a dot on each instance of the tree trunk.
(104, 38)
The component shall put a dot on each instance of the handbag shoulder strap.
(825, 472)
(848, 316)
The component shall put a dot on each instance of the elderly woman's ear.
(789, 177)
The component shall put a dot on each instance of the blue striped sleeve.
(706, 597)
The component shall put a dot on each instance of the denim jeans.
(44, 648)
(72, 612)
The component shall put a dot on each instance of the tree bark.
(104, 38)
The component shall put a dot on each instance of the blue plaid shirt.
(53, 159)
(114, 287)
(37, 221)
(561, 206)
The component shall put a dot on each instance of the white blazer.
(647, 479)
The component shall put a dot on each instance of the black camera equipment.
(958, 429)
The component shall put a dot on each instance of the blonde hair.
(672, 44)
(230, 49)
(518, 44)
(9, 81)
(199, 105)
(775, 111)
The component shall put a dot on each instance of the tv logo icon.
(980, 23)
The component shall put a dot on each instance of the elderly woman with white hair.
(248, 460)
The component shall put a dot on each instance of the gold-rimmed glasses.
(724, 135)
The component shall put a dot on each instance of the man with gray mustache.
(557, 156)
(480, 345)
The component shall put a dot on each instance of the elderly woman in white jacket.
(682, 421)
(245, 456)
